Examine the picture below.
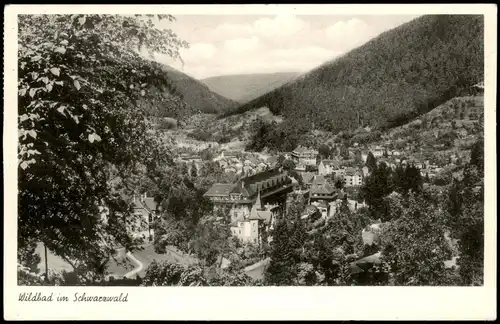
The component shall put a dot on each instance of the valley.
(365, 170)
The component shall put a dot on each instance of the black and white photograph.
(249, 150)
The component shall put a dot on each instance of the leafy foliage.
(371, 162)
(465, 206)
(407, 178)
(414, 245)
(288, 238)
(376, 187)
(211, 240)
(171, 274)
(82, 125)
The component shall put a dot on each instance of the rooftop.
(307, 177)
(324, 189)
(220, 189)
(351, 171)
(249, 186)
(333, 163)
(302, 150)
(318, 180)
(261, 215)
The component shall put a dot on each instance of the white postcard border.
(208, 303)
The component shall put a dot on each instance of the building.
(378, 151)
(339, 172)
(327, 167)
(322, 207)
(353, 177)
(321, 191)
(236, 200)
(145, 209)
(355, 205)
(366, 171)
(307, 179)
(364, 155)
(252, 229)
(311, 212)
(304, 156)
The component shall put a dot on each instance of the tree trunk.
(46, 264)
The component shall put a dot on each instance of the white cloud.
(240, 45)
(270, 44)
(280, 28)
(199, 51)
(344, 35)
(230, 31)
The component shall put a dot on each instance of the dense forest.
(196, 94)
(386, 82)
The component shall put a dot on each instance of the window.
(239, 232)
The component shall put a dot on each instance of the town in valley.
(362, 169)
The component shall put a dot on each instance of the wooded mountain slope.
(245, 87)
(196, 94)
(391, 79)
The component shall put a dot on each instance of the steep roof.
(262, 180)
(301, 149)
(240, 218)
(318, 180)
(137, 204)
(332, 163)
(219, 189)
(351, 171)
(239, 189)
(325, 189)
(374, 258)
(249, 186)
(150, 203)
(263, 215)
(307, 177)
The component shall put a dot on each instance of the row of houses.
(352, 176)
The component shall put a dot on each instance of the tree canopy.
(83, 128)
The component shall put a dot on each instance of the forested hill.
(245, 87)
(196, 94)
(401, 73)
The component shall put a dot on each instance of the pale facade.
(242, 202)
(353, 178)
(327, 167)
(304, 156)
(249, 227)
(145, 211)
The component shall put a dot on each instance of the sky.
(237, 44)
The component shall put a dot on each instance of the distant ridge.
(245, 87)
(196, 94)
